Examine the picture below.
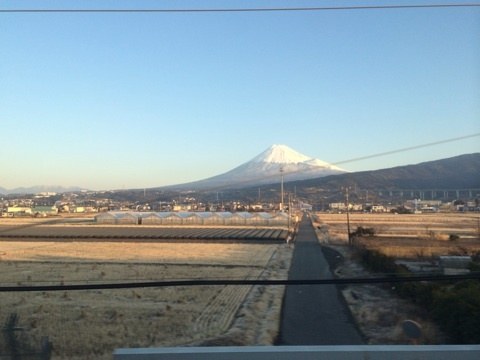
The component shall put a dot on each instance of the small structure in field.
(451, 265)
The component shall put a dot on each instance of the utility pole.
(348, 217)
(478, 228)
(281, 188)
(289, 212)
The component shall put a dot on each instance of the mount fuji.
(267, 168)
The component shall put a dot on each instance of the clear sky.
(133, 100)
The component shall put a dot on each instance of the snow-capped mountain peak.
(280, 154)
(278, 161)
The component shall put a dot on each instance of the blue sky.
(133, 100)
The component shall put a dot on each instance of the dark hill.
(459, 172)
(456, 173)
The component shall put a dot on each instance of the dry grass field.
(408, 236)
(90, 324)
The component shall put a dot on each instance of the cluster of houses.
(412, 206)
(195, 218)
(15, 211)
(51, 204)
(43, 210)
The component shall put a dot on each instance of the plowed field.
(92, 323)
(407, 236)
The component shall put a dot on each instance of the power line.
(407, 148)
(176, 283)
(244, 10)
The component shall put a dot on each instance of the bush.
(361, 231)
(457, 311)
(401, 210)
(473, 266)
(453, 237)
(377, 262)
(421, 294)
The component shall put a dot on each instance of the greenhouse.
(152, 219)
(127, 218)
(194, 218)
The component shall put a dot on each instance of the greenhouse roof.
(186, 214)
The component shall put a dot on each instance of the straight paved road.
(314, 314)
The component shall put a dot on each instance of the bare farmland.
(407, 236)
(91, 323)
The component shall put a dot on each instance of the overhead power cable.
(176, 283)
(407, 148)
(240, 10)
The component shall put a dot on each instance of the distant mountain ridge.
(459, 172)
(267, 167)
(40, 189)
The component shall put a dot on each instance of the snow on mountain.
(280, 154)
(320, 163)
(268, 167)
(39, 189)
